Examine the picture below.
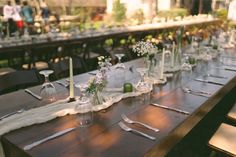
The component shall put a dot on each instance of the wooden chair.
(18, 80)
(39, 57)
(224, 140)
(232, 113)
(231, 116)
(61, 68)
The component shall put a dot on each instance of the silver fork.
(126, 119)
(126, 128)
(12, 113)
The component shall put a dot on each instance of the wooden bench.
(224, 140)
(232, 113)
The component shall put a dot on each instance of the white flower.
(143, 48)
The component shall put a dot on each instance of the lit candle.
(173, 55)
(71, 80)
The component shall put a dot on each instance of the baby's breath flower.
(143, 48)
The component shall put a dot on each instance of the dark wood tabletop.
(104, 138)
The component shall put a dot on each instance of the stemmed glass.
(84, 107)
(119, 64)
(142, 85)
(186, 65)
(48, 90)
(82, 88)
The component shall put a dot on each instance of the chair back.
(61, 68)
(18, 80)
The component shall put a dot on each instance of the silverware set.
(129, 129)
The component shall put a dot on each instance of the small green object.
(215, 47)
(128, 87)
(192, 61)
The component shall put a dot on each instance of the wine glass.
(82, 88)
(119, 64)
(186, 65)
(142, 85)
(48, 90)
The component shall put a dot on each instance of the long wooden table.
(104, 137)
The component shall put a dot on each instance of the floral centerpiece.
(97, 83)
(145, 49)
(148, 51)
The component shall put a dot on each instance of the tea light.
(128, 87)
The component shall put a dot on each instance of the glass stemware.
(119, 64)
(142, 85)
(82, 88)
(48, 90)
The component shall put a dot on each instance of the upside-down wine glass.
(142, 85)
(119, 64)
(48, 90)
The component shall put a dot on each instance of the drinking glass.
(48, 90)
(84, 107)
(142, 85)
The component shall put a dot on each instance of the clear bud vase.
(178, 57)
(150, 63)
(97, 98)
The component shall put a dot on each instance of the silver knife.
(216, 76)
(170, 108)
(208, 81)
(229, 69)
(33, 94)
(60, 133)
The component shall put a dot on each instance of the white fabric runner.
(54, 110)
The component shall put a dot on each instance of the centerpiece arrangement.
(97, 83)
(147, 50)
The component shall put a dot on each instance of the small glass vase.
(150, 64)
(178, 58)
(97, 98)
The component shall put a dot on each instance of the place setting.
(126, 124)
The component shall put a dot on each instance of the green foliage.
(118, 11)
(139, 16)
(221, 13)
(173, 13)
(109, 42)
